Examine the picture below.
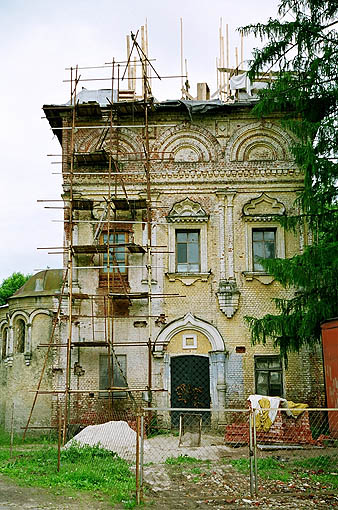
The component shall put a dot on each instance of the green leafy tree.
(10, 285)
(302, 45)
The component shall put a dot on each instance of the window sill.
(188, 278)
(261, 276)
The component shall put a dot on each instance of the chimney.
(203, 92)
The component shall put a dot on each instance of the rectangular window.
(117, 252)
(263, 246)
(119, 366)
(269, 376)
(188, 251)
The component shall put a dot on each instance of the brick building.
(218, 179)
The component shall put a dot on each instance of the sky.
(39, 39)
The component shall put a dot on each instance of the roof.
(43, 283)
(92, 101)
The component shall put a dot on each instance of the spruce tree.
(302, 45)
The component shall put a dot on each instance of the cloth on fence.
(294, 409)
(266, 409)
(240, 81)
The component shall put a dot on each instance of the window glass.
(262, 383)
(181, 237)
(182, 253)
(262, 363)
(257, 235)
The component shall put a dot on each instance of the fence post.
(251, 453)
(59, 418)
(141, 456)
(255, 450)
(12, 431)
(137, 474)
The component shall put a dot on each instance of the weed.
(319, 469)
(268, 468)
(196, 471)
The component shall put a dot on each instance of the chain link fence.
(257, 454)
(210, 457)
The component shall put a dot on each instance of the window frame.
(203, 246)
(20, 335)
(4, 341)
(114, 394)
(192, 336)
(188, 262)
(264, 244)
(269, 357)
(114, 271)
(279, 243)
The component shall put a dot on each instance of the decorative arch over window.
(259, 142)
(263, 207)
(190, 322)
(187, 143)
(187, 211)
(127, 142)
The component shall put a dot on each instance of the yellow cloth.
(263, 421)
(293, 408)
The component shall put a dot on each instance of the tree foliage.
(303, 46)
(10, 285)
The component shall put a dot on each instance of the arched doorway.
(190, 385)
(198, 344)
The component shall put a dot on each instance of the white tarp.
(241, 81)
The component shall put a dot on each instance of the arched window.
(4, 336)
(20, 334)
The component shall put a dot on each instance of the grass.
(319, 469)
(82, 468)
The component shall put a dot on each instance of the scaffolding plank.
(95, 343)
(83, 204)
(131, 295)
(90, 248)
(103, 248)
(123, 204)
(91, 158)
(90, 109)
(135, 248)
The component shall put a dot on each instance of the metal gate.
(190, 385)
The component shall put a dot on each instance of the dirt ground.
(214, 484)
(13, 497)
(222, 487)
(215, 487)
